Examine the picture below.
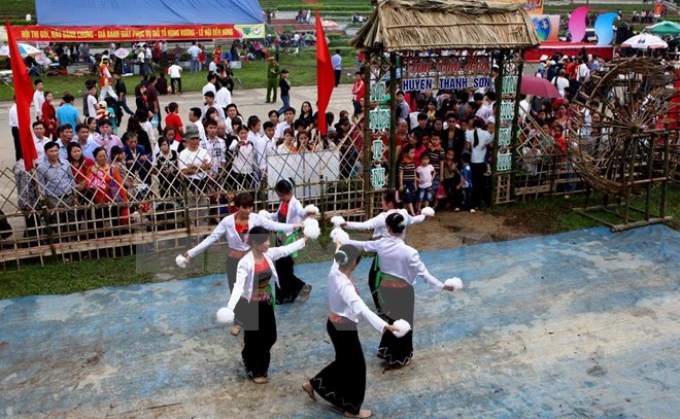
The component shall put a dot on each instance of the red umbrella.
(538, 86)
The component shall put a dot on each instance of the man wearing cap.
(194, 163)
(105, 80)
(273, 72)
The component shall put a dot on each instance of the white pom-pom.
(454, 282)
(312, 229)
(312, 210)
(428, 211)
(402, 328)
(337, 221)
(181, 261)
(225, 315)
(339, 235)
(263, 213)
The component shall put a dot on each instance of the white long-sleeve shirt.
(377, 223)
(296, 214)
(38, 100)
(344, 300)
(398, 259)
(245, 272)
(227, 229)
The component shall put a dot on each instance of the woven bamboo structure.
(626, 147)
(417, 25)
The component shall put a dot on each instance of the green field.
(302, 69)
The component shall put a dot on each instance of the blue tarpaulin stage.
(147, 12)
(581, 324)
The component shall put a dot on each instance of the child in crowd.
(407, 178)
(464, 188)
(437, 161)
(424, 176)
(450, 173)
(488, 157)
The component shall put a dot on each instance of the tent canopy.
(146, 12)
(664, 28)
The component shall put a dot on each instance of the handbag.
(441, 193)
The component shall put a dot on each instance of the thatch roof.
(417, 25)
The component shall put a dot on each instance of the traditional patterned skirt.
(397, 300)
(343, 381)
(259, 328)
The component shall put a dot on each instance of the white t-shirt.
(175, 71)
(91, 106)
(425, 175)
(223, 97)
(209, 88)
(194, 51)
(479, 152)
(189, 158)
(562, 84)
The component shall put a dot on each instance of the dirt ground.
(448, 229)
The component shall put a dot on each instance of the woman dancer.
(390, 205)
(290, 212)
(400, 265)
(234, 228)
(252, 300)
(343, 381)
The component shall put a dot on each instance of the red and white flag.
(325, 75)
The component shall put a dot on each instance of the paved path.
(581, 324)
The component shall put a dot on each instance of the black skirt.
(398, 304)
(259, 335)
(343, 381)
(289, 285)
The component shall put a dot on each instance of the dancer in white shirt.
(400, 265)
(234, 228)
(390, 205)
(343, 381)
(290, 211)
(253, 301)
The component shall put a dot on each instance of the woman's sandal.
(260, 380)
(309, 390)
(363, 414)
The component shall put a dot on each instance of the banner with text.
(135, 33)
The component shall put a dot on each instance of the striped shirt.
(408, 170)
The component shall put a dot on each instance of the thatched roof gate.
(407, 28)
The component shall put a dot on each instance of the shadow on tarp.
(581, 324)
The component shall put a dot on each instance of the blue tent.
(147, 12)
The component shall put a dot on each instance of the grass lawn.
(302, 69)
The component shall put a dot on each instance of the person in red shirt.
(172, 119)
(358, 90)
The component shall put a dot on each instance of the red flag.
(23, 93)
(325, 75)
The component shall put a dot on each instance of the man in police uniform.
(273, 71)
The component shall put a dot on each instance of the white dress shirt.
(209, 88)
(244, 160)
(13, 117)
(223, 97)
(38, 100)
(344, 300)
(377, 223)
(227, 229)
(245, 272)
(282, 126)
(399, 260)
(479, 152)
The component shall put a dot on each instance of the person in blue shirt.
(64, 137)
(67, 113)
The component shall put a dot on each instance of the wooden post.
(666, 167)
(393, 122)
(368, 159)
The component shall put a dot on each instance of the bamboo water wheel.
(622, 139)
